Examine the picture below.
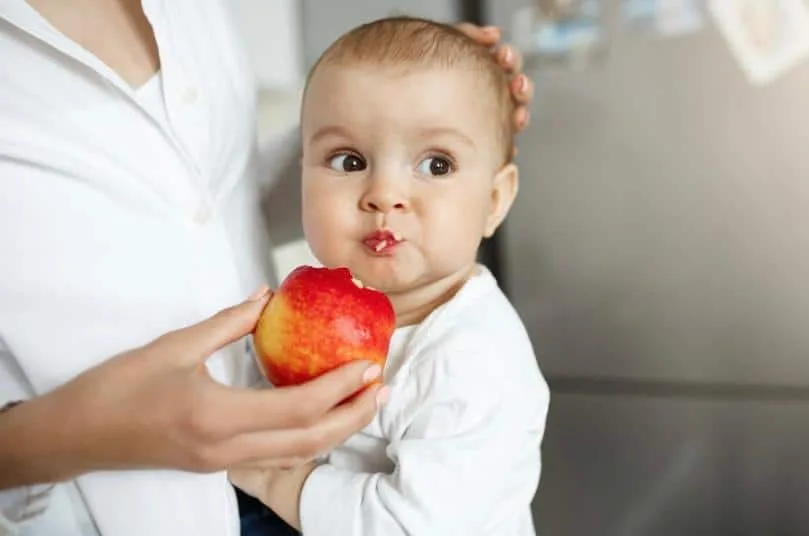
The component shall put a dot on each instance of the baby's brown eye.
(347, 163)
(435, 166)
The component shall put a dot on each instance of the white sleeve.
(19, 504)
(468, 459)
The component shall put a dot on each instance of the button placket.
(186, 118)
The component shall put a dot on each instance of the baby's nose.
(383, 196)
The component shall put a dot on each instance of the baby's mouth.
(383, 241)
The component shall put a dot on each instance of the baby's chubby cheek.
(327, 237)
(452, 244)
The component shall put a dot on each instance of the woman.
(129, 207)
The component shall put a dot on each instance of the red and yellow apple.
(319, 319)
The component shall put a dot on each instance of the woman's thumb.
(228, 325)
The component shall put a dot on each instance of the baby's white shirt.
(456, 449)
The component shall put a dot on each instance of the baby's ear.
(504, 190)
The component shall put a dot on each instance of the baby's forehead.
(360, 90)
(465, 80)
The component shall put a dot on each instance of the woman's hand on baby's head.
(520, 85)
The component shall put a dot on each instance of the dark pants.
(258, 520)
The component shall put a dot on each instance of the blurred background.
(658, 252)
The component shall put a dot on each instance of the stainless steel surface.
(661, 229)
(659, 255)
(647, 466)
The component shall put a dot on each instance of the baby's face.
(398, 171)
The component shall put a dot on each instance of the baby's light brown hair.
(413, 42)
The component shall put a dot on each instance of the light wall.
(271, 30)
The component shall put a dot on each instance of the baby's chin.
(390, 284)
(385, 279)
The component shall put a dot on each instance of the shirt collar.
(21, 15)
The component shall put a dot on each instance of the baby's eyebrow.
(329, 130)
(432, 132)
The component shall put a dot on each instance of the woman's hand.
(157, 407)
(522, 88)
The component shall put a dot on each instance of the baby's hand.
(255, 481)
(279, 489)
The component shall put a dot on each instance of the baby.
(407, 148)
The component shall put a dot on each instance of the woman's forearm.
(32, 445)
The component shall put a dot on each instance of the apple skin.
(320, 319)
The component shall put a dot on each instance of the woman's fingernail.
(259, 293)
(508, 55)
(523, 84)
(524, 119)
(371, 373)
(382, 395)
(490, 29)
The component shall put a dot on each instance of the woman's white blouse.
(124, 213)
